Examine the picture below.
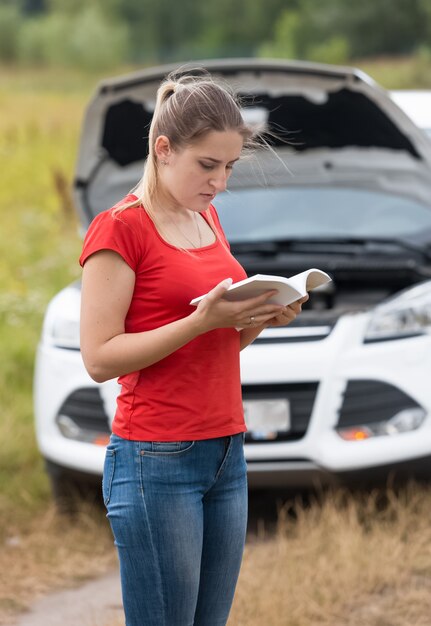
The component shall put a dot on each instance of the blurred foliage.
(107, 33)
(338, 30)
(87, 39)
(10, 21)
(39, 240)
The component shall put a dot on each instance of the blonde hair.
(188, 106)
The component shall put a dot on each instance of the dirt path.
(98, 602)
(94, 604)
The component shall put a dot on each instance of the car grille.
(301, 398)
(371, 401)
(84, 407)
(293, 335)
(307, 327)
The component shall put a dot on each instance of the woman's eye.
(210, 166)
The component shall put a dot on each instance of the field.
(346, 561)
(331, 563)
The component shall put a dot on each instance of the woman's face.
(194, 175)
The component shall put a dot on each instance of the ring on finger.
(252, 318)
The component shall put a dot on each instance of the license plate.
(266, 418)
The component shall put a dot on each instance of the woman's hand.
(288, 314)
(216, 312)
(285, 316)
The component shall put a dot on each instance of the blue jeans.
(178, 512)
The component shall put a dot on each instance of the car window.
(306, 212)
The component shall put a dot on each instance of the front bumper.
(318, 456)
(290, 474)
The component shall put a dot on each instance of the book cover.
(289, 289)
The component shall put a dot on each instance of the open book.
(289, 289)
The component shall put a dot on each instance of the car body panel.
(416, 103)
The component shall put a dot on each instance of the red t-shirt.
(195, 392)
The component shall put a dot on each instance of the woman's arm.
(107, 289)
(107, 350)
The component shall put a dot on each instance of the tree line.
(104, 33)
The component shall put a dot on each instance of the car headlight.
(405, 315)
(65, 333)
(61, 325)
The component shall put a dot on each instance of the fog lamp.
(402, 422)
(70, 429)
(355, 433)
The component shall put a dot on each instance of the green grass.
(39, 129)
(399, 73)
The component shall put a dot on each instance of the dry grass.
(346, 560)
(349, 560)
(52, 552)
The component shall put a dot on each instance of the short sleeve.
(115, 231)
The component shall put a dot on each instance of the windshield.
(273, 214)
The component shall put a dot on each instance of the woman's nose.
(220, 181)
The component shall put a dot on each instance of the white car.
(417, 105)
(344, 392)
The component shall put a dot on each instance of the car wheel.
(72, 490)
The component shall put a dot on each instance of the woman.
(174, 480)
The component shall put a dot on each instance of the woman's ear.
(162, 148)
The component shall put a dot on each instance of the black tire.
(72, 489)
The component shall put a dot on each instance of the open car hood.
(341, 128)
